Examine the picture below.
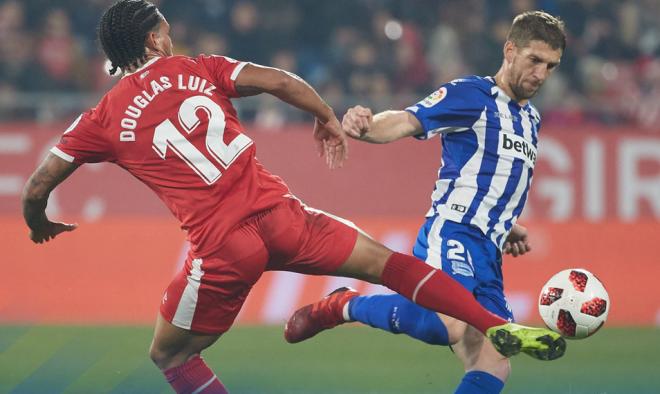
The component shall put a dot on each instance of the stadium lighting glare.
(393, 30)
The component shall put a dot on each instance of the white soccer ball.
(574, 303)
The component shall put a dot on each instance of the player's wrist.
(326, 115)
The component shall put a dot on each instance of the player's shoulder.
(98, 116)
(471, 83)
(214, 59)
(467, 91)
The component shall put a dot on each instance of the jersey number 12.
(166, 135)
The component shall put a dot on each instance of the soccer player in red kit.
(170, 123)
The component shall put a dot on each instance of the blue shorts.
(467, 255)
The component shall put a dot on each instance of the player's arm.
(290, 88)
(52, 171)
(381, 128)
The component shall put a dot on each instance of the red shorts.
(207, 294)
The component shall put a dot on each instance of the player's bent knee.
(158, 356)
(165, 359)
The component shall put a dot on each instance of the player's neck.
(503, 83)
(131, 69)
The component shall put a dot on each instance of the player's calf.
(398, 315)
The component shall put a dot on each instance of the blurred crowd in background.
(382, 53)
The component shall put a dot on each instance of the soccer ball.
(574, 303)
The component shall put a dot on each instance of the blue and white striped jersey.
(488, 153)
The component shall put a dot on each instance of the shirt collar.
(142, 67)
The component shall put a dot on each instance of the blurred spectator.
(381, 53)
(59, 54)
(246, 40)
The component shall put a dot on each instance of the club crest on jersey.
(516, 146)
(434, 97)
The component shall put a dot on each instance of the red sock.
(434, 289)
(194, 376)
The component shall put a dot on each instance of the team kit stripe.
(62, 155)
(487, 168)
(510, 193)
(496, 188)
(434, 242)
(185, 311)
(518, 197)
(205, 385)
(465, 185)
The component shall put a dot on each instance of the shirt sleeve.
(224, 71)
(446, 110)
(84, 142)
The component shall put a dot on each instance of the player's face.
(530, 67)
(162, 40)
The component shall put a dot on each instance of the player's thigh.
(366, 261)
(172, 346)
(468, 257)
(452, 248)
(477, 353)
(207, 294)
(329, 245)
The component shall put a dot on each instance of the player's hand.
(49, 231)
(357, 121)
(517, 243)
(331, 142)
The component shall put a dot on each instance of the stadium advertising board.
(595, 203)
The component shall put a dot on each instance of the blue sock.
(479, 382)
(398, 315)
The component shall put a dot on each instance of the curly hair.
(123, 29)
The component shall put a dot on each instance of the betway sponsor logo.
(518, 147)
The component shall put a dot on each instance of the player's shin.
(433, 289)
(398, 315)
(194, 376)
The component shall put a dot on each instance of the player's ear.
(509, 51)
(151, 41)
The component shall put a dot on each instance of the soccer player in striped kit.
(489, 133)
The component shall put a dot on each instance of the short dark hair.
(539, 26)
(123, 29)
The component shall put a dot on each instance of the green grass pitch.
(349, 359)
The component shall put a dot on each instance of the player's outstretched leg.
(510, 339)
(435, 290)
(322, 315)
(391, 312)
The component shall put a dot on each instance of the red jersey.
(171, 124)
